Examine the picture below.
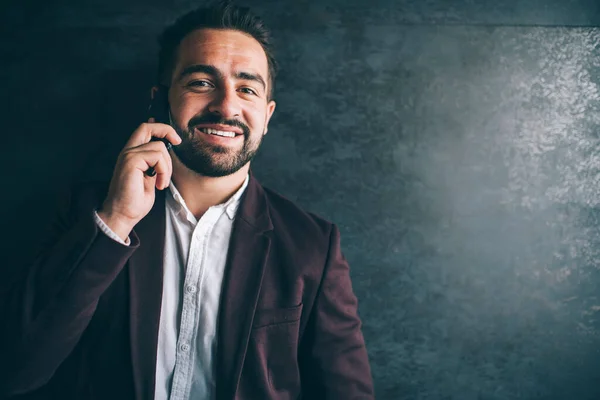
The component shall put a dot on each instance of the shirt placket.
(190, 312)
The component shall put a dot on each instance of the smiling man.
(184, 278)
(219, 92)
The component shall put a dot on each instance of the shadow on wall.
(82, 144)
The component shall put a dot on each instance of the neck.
(202, 192)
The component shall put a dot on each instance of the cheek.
(256, 115)
(188, 105)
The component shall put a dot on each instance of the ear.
(270, 110)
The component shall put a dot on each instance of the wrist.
(119, 225)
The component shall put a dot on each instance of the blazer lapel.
(146, 281)
(248, 251)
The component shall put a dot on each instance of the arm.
(48, 310)
(333, 357)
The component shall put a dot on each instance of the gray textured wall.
(454, 143)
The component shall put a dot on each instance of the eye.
(200, 83)
(249, 91)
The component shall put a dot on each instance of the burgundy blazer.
(84, 322)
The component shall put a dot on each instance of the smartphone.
(159, 106)
(159, 110)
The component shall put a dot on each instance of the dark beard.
(210, 159)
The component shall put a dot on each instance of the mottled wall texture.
(455, 143)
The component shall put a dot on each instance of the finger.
(161, 181)
(155, 145)
(172, 136)
(167, 157)
(159, 147)
(146, 131)
(143, 160)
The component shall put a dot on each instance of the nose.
(225, 103)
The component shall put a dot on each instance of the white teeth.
(216, 132)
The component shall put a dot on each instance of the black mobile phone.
(159, 106)
(159, 110)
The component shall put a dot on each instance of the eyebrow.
(211, 70)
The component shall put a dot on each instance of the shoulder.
(289, 217)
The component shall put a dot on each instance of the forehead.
(228, 50)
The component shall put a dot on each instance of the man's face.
(220, 84)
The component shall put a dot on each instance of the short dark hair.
(221, 15)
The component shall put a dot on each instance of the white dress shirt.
(194, 264)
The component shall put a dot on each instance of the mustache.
(216, 119)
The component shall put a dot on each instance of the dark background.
(455, 144)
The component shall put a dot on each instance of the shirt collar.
(230, 205)
(233, 203)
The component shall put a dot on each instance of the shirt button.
(184, 347)
(190, 289)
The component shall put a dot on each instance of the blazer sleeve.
(49, 308)
(332, 356)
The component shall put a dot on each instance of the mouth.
(223, 131)
(220, 135)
